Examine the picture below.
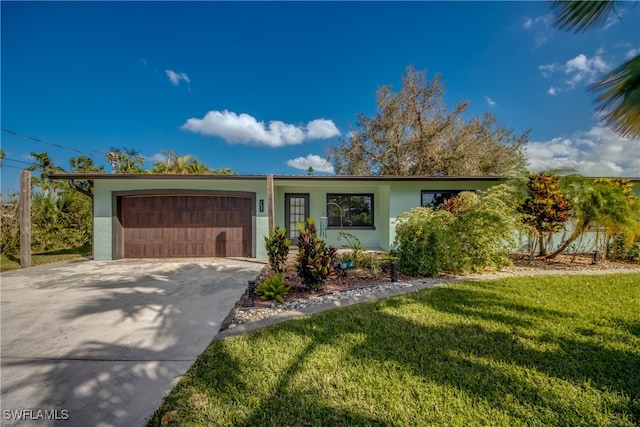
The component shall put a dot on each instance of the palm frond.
(579, 15)
(619, 98)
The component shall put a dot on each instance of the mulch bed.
(354, 278)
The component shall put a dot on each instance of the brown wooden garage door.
(162, 226)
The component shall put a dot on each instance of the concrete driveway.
(100, 343)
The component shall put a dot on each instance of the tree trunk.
(576, 233)
(543, 247)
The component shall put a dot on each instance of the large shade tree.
(415, 133)
(619, 91)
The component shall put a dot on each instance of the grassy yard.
(13, 263)
(520, 351)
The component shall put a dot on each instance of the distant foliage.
(125, 160)
(10, 238)
(277, 246)
(415, 133)
(478, 233)
(315, 260)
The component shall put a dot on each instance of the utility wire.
(9, 166)
(17, 161)
(41, 141)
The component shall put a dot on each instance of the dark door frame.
(287, 213)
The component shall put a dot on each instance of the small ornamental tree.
(546, 209)
(315, 260)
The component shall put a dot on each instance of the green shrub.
(621, 250)
(277, 246)
(273, 287)
(478, 232)
(315, 260)
(425, 241)
(370, 261)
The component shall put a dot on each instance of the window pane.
(433, 199)
(350, 210)
(360, 210)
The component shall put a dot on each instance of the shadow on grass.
(523, 380)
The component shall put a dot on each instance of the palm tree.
(619, 90)
(601, 203)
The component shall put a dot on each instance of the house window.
(350, 210)
(433, 199)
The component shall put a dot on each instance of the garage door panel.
(186, 226)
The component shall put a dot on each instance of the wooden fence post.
(25, 218)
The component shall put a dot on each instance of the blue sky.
(265, 87)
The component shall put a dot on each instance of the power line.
(9, 166)
(41, 141)
(17, 161)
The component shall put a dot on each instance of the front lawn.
(9, 262)
(561, 350)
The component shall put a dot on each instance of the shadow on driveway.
(101, 343)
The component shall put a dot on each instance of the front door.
(296, 211)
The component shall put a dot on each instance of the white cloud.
(597, 152)
(321, 129)
(576, 70)
(490, 101)
(581, 67)
(157, 157)
(552, 91)
(541, 26)
(632, 53)
(175, 78)
(316, 162)
(245, 129)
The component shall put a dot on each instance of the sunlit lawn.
(13, 263)
(562, 350)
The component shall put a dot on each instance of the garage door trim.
(117, 243)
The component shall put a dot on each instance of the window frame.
(330, 226)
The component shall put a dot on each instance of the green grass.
(10, 262)
(531, 351)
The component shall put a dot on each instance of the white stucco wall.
(389, 199)
(371, 239)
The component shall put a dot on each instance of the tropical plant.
(353, 243)
(273, 287)
(619, 99)
(414, 133)
(84, 164)
(125, 160)
(605, 203)
(47, 168)
(314, 262)
(545, 209)
(277, 246)
(623, 249)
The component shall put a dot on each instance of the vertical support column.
(270, 203)
(25, 218)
